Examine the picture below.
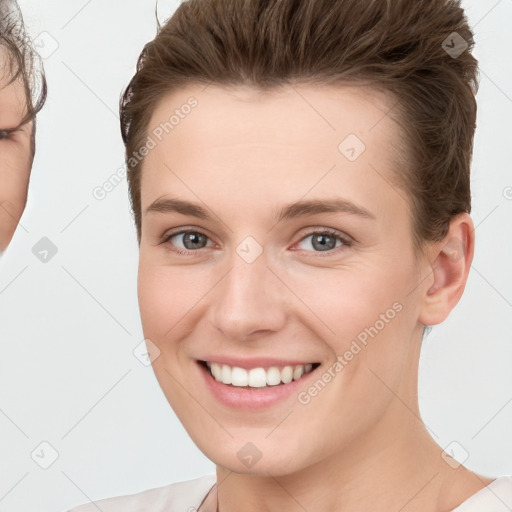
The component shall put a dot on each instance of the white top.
(187, 496)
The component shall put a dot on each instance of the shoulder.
(496, 497)
(177, 497)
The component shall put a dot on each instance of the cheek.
(168, 298)
(157, 293)
(346, 302)
(365, 317)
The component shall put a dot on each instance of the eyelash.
(324, 231)
(8, 133)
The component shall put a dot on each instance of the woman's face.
(251, 285)
(16, 153)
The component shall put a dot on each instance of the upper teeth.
(257, 377)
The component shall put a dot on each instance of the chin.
(252, 458)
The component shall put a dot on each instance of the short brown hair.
(400, 47)
(20, 62)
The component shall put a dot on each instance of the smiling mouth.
(256, 378)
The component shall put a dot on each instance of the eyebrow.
(301, 208)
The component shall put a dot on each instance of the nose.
(250, 301)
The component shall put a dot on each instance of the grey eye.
(321, 242)
(191, 240)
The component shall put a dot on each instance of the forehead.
(283, 141)
(12, 96)
(241, 113)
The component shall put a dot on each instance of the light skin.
(16, 156)
(243, 156)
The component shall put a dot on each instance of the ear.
(450, 261)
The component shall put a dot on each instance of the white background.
(68, 326)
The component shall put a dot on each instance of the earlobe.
(451, 261)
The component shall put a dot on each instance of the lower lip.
(252, 399)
